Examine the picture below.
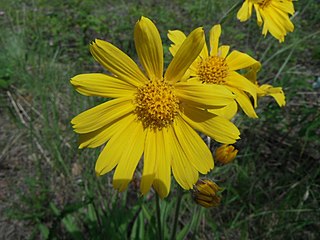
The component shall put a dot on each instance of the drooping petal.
(102, 85)
(117, 62)
(186, 55)
(183, 171)
(277, 22)
(131, 152)
(244, 102)
(285, 6)
(215, 33)
(276, 18)
(237, 60)
(96, 138)
(194, 147)
(149, 47)
(275, 92)
(238, 81)
(275, 27)
(203, 95)
(252, 72)
(101, 115)
(218, 128)
(162, 180)
(245, 11)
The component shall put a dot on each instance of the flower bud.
(205, 192)
(225, 153)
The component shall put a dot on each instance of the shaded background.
(48, 189)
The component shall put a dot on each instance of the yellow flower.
(217, 67)
(266, 89)
(225, 153)
(205, 193)
(273, 13)
(151, 114)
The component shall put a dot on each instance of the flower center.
(157, 105)
(214, 69)
(262, 3)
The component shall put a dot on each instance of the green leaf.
(44, 230)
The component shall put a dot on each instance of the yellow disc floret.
(157, 105)
(214, 69)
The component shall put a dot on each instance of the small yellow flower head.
(272, 14)
(205, 192)
(226, 153)
(217, 67)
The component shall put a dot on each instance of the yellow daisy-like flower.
(218, 68)
(152, 115)
(266, 89)
(273, 13)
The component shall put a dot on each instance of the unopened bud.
(205, 192)
(225, 153)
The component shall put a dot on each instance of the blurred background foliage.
(48, 189)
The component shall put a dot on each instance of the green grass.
(271, 191)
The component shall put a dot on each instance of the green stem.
(231, 10)
(176, 215)
(160, 235)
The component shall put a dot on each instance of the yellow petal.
(177, 37)
(102, 85)
(252, 71)
(132, 149)
(112, 152)
(238, 81)
(102, 135)
(101, 115)
(117, 62)
(218, 128)
(276, 21)
(284, 6)
(259, 17)
(162, 180)
(203, 95)
(228, 112)
(215, 33)
(184, 173)
(238, 60)
(151, 157)
(244, 102)
(245, 11)
(223, 51)
(194, 147)
(149, 47)
(185, 56)
(275, 92)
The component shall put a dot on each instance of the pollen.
(156, 104)
(214, 69)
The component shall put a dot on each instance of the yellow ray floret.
(266, 89)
